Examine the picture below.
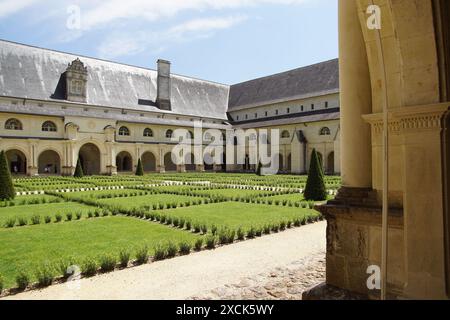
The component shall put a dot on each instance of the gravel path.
(280, 266)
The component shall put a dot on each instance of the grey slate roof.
(35, 73)
(314, 80)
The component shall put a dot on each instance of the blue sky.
(227, 41)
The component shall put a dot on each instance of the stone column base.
(32, 171)
(161, 169)
(181, 169)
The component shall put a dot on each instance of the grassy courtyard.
(160, 215)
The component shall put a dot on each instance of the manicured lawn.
(99, 193)
(149, 200)
(293, 197)
(241, 193)
(27, 248)
(238, 214)
(48, 209)
(31, 199)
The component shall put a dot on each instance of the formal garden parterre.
(102, 223)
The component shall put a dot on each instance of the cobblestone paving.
(283, 283)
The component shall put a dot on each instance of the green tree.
(315, 185)
(140, 168)
(258, 168)
(6, 185)
(78, 170)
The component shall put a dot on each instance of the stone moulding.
(402, 120)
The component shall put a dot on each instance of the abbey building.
(57, 107)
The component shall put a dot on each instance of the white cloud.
(125, 44)
(106, 12)
(9, 7)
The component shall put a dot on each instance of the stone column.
(355, 99)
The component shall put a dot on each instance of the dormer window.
(76, 80)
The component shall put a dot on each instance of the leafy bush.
(22, 221)
(258, 232)
(160, 252)
(197, 228)
(142, 254)
(45, 275)
(204, 228)
(214, 230)
(78, 170)
(275, 227)
(22, 280)
(69, 216)
(251, 233)
(63, 267)
(58, 217)
(185, 248)
(35, 219)
(47, 219)
(90, 214)
(198, 244)
(89, 267)
(78, 215)
(240, 234)
(266, 229)
(10, 223)
(188, 225)
(211, 242)
(107, 263)
(315, 185)
(6, 184)
(124, 257)
(282, 225)
(172, 249)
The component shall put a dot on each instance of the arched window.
(285, 134)
(208, 136)
(252, 137)
(13, 124)
(49, 126)
(189, 135)
(148, 132)
(124, 131)
(325, 131)
(169, 134)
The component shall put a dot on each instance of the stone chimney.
(164, 85)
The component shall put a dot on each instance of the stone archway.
(169, 165)
(89, 155)
(149, 162)
(330, 163)
(49, 162)
(17, 161)
(189, 161)
(124, 162)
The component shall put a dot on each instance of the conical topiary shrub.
(259, 168)
(315, 185)
(140, 168)
(6, 185)
(78, 170)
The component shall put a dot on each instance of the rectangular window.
(326, 104)
(302, 108)
(237, 118)
(246, 116)
(256, 115)
(312, 106)
(288, 110)
(276, 112)
(266, 113)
